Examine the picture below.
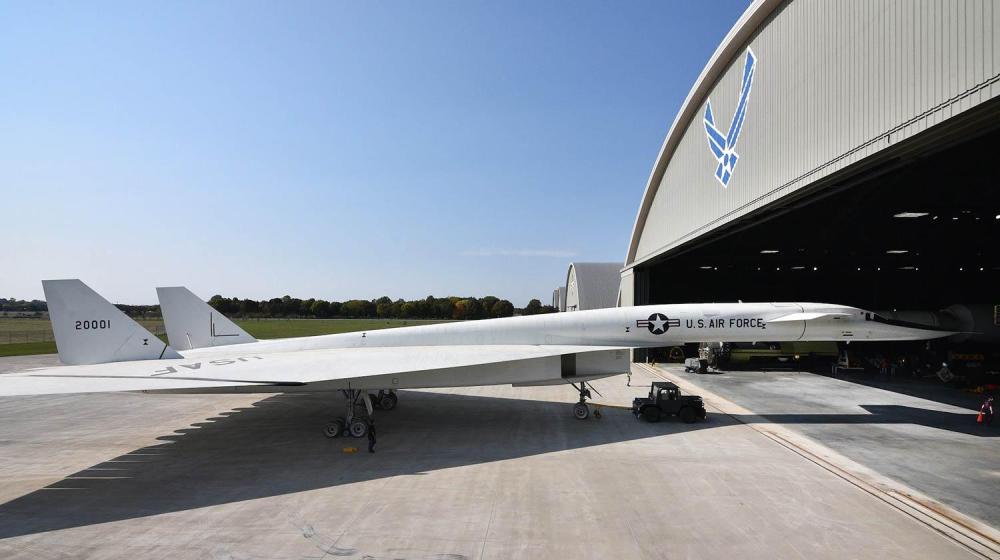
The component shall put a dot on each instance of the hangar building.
(841, 152)
(559, 298)
(591, 286)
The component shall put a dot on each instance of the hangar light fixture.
(997, 217)
(768, 251)
(897, 251)
(798, 267)
(910, 215)
(705, 267)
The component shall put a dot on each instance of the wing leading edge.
(246, 370)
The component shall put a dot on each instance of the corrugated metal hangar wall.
(591, 286)
(833, 84)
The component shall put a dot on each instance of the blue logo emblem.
(723, 146)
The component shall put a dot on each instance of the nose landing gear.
(580, 410)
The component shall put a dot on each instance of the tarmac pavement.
(479, 472)
(933, 446)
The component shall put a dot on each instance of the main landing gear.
(356, 422)
(580, 410)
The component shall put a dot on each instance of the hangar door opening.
(913, 234)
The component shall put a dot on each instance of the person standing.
(986, 412)
(371, 437)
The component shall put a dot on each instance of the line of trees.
(21, 305)
(461, 308)
(384, 308)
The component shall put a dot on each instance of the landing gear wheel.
(651, 414)
(334, 429)
(358, 427)
(581, 411)
(688, 415)
(388, 401)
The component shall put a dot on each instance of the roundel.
(658, 323)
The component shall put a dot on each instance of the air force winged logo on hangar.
(724, 146)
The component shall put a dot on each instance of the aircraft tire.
(358, 427)
(334, 429)
(581, 411)
(388, 401)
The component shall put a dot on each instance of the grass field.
(22, 336)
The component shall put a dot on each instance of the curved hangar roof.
(830, 84)
(592, 285)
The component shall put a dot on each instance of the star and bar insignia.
(658, 323)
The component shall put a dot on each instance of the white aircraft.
(107, 351)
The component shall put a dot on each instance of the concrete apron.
(962, 529)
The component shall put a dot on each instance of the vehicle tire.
(651, 414)
(581, 411)
(676, 354)
(387, 401)
(358, 427)
(688, 415)
(334, 428)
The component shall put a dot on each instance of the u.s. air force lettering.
(658, 323)
(722, 323)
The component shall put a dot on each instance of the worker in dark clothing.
(986, 412)
(371, 438)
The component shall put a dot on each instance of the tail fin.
(90, 330)
(192, 323)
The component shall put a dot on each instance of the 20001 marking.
(95, 324)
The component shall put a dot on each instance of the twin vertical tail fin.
(192, 323)
(90, 330)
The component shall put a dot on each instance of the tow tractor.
(665, 399)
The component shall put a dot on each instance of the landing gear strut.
(580, 410)
(354, 424)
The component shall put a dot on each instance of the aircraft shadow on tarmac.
(964, 423)
(276, 447)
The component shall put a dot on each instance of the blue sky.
(330, 149)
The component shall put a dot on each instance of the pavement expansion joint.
(949, 522)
